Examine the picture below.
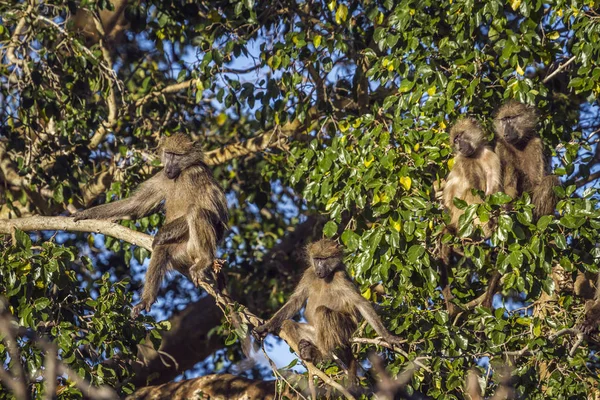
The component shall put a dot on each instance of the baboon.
(332, 306)
(476, 166)
(196, 215)
(591, 320)
(521, 153)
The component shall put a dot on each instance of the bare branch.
(111, 101)
(222, 386)
(10, 53)
(557, 70)
(590, 178)
(241, 149)
(381, 342)
(8, 172)
(166, 90)
(16, 382)
(40, 223)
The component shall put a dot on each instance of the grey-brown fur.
(521, 152)
(476, 166)
(333, 305)
(196, 215)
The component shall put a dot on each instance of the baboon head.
(467, 136)
(179, 152)
(515, 121)
(325, 256)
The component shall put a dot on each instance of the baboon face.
(325, 266)
(515, 121)
(172, 163)
(466, 137)
(325, 257)
(179, 153)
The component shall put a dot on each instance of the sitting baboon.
(521, 152)
(195, 221)
(333, 304)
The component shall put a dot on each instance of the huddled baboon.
(521, 152)
(476, 166)
(333, 304)
(196, 215)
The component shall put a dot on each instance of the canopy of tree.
(319, 119)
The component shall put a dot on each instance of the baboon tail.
(334, 329)
(543, 197)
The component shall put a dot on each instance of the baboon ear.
(161, 142)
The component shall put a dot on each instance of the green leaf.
(414, 253)
(330, 229)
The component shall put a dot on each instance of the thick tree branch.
(8, 172)
(220, 386)
(254, 145)
(585, 180)
(40, 223)
(10, 53)
(275, 137)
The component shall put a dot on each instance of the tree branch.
(557, 70)
(10, 53)
(166, 90)
(590, 178)
(40, 223)
(111, 101)
(380, 342)
(221, 386)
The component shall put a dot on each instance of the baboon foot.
(217, 265)
(308, 351)
(138, 308)
(199, 275)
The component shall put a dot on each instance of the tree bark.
(217, 386)
(184, 345)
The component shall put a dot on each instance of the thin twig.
(557, 70)
(278, 374)
(381, 342)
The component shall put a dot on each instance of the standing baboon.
(521, 152)
(332, 306)
(195, 215)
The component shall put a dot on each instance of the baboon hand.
(160, 238)
(138, 308)
(264, 329)
(79, 215)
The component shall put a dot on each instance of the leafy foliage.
(363, 94)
